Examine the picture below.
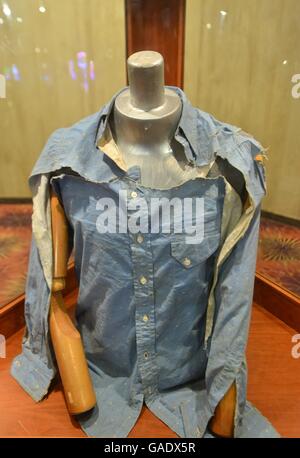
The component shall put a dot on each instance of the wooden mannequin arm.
(60, 244)
(67, 344)
(222, 423)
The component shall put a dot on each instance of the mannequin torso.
(144, 121)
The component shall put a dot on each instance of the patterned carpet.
(278, 254)
(15, 237)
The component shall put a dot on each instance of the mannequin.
(145, 118)
(144, 121)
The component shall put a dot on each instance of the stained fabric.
(164, 320)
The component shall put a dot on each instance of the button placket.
(144, 299)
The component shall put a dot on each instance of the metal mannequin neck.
(146, 115)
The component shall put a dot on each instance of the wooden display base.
(273, 387)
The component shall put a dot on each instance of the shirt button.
(187, 262)
(146, 355)
(143, 280)
(145, 318)
(139, 238)
(134, 194)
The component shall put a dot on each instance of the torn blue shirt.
(162, 321)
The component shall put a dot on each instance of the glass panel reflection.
(60, 60)
(242, 64)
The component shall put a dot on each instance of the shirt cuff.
(255, 425)
(32, 374)
(215, 392)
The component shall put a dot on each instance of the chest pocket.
(190, 255)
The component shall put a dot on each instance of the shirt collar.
(187, 123)
(202, 135)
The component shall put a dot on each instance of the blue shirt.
(162, 321)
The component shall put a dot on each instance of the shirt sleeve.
(35, 367)
(233, 299)
(232, 294)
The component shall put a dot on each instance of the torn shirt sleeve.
(230, 301)
(35, 367)
(233, 299)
